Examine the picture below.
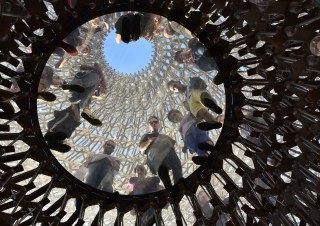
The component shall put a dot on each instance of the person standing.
(161, 155)
(99, 170)
(88, 78)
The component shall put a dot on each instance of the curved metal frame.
(290, 112)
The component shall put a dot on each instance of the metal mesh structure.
(265, 166)
(131, 99)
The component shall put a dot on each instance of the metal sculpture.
(275, 73)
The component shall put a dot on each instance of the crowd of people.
(101, 170)
(89, 82)
(159, 149)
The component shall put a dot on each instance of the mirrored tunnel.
(127, 94)
(84, 141)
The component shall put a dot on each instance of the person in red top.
(72, 3)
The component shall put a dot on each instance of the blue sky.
(127, 58)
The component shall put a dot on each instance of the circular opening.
(127, 58)
(99, 109)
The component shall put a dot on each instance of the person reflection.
(89, 78)
(191, 135)
(174, 29)
(61, 127)
(198, 100)
(161, 155)
(246, 132)
(204, 202)
(245, 129)
(94, 26)
(198, 56)
(74, 45)
(48, 80)
(207, 210)
(99, 170)
(143, 185)
(140, 184)
(132, 26)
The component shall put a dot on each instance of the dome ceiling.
(130, 100)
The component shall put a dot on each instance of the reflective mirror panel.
(130, 90)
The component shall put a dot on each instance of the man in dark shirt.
(143, 185)
(161, 156)
(99, 170)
